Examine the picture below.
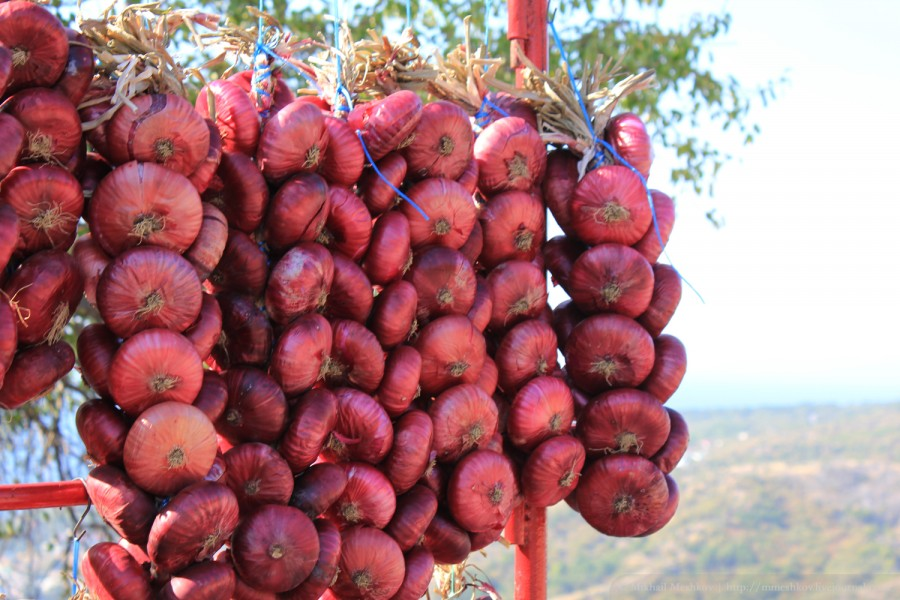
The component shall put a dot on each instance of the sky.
(802, 285)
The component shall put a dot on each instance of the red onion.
(293, 140)
(400, 385)
(415, 510)
(363, 431)
(464, 417)
(243, 591)
(9, 339)
(243, 267)
(213, 396)
(565, 317)
(368, 499)
(148, 287)
(217, 471)
(206, 331)
(664, 209)
(668, 368)
(161, 128)
(109, 572)
(482, 491)
(559, 254)
(671, 507)
(469, 177)
(246, 332)
(513, 224)
(138, 553)
(351, 291)
(449, 543)
(552, 470)
(297, 212)
(622, 495)
(442, 142)
(311, 423)
(627, 134)
(344, 158)
(326, 569)
(301, 350)
(96, 347)
(474, 245)
(34, 371)
(393, 318)
(529, 350)
(103, 429)
(91, 261)
(512, 106)
(348, 228)
(205, 173)
(242, 195)
(236, 116)
(665, 299)
(258, 475)
(559, 186)
(317, 488)
(356, 357)
(668, 457)
(192, 526)
(79, 70)
(154, 366)
(281, 97)
(299, 282)
(611, 278)
(170, 446)
(389, 254)
(624, 421)
(371, 565)
(417, 577)
(9, 232)
(386, 124)
(209, 246)
(483, 539)
(450, 209)
(48, 202)
(202, 581)
(452, 352)
(510, 155)
(518, 292)
(542, 408)
(606, 351)
(37, 41)
(610, 205)
(480, 313)
(44, 293)
(436, 475)
(410, 453)
(13, 135)
(378, 194)
(6, 67)
(52, 126)
(444, 281)
(257, 410)
(489, 376)
(121, 504)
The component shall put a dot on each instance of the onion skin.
(452, 213)
(170, 446)
(442, 142)
(206, 331)
(213, 396)
(313, 419)
(444, 281)
(607, 351)
(33, 372)
(275, 548)
(110, 573)
(415, 510)
(464, 417)
(542, 408)
(394, 314)
(363, 431)
(622, 495)
(243, 267)
(243, 195)
(257, 409)
(344, 158)
(386, 124)
(668, 368)
(91, 261)
(258, 475)
(325, 571)
(9, 339)
(489, 376)
(483, 491)
(611, 278)
(510, 155)
(623, 421)
(405, 464)
(417, 577)
(389, 253)
(665, 299)
(566, 317)
(351, 291)
(317, 488)
(52, 126)
(528, 350)
(448, 542)
(668, 457)
(48, 201)
(375, 191)
(300, 282)
(297, 212)
(400, 385)
(518, 292)
(356, 357)
(209, 246)
(163, 129)
(121, 503)
(452, 352)
(559, 186)
(664, 209)
(301, 350)
(469, 177)
(513, 224)
(368, 498)
(236, 118)
(148, 287)
(474, 245)
(348, 229)
(96, 346)
(246, 332)
(560, 254)
(483, 307)
(103, 428)
(154, 366)
(9, 232)
(552, 471)
(202, 177)
(671, 507)
(192, 526)
(203, 581)
(14, 140)
(79, 68)
(610, 205)
(371, 565)
(43, 41)
(293, 140)
(628, 135)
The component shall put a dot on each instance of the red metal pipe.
(19, 496)
(528, 30)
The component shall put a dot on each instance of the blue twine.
(76, 545)
(386, 180)
(483, 112)
(260, 74)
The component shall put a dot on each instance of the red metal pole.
(19, 496)
(528, 527)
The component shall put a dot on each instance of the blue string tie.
(484, 114)
(386, 180)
